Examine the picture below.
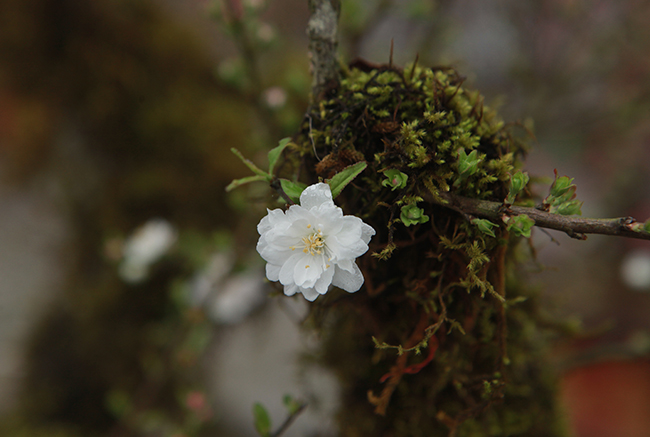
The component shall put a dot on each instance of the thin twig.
(575, 227)
(277, 186)
(311, 136)
(289, 420)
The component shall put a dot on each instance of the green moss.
(435, 290)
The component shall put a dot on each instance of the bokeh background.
(132, 302)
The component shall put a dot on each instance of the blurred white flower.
(635, 270)
(144, 247)
(313, 245)
(228, 298)
(275, 97)
(255, 4)
(215, 272)
(265, 33)
(237, 298)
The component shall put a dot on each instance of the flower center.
(314, 243)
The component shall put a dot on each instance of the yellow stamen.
(314, 244)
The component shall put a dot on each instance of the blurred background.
(132, 301)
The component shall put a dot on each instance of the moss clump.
(457, 346)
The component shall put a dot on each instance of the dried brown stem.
(575, 227)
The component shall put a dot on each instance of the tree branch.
(575, 227)
(322, 31)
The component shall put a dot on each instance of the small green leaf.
(412, 215)
(347, 175)
(484, 226)
(467, 165)
(291, 404)
(561, 185)
(287, 400)
(518, 182)
(516, 300)
(520, 225)
(262, 420)
(561, 198)
(646, 226)
(274, 154)
(292, 189)
(572, 207)
(394, 179)
(255, 169)
(239, 182)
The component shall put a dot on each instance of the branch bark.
(575, 227)
(323, 43)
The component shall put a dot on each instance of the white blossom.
(144, 247)
(275, 97)
(635, 270)
(313, 245)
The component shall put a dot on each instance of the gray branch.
(322, 31)
(575, 227)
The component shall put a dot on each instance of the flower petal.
(316, 195)
(270, 220)
(346, 249)
(309, 293)
(272, 254)
(290, 290)
(367, 232)
(325, 280)
(307, 270)
(273, 272)
(286, 272)
(348, 281)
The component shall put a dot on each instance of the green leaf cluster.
(467, 165)
(518, 182)
(520, 225)
(293, 189)
(260, 175)
(394, 179)
(485, 226)
(562, 197)
(412, 215)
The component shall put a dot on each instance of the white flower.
(146, 246)
(635, 270)
(313, 245)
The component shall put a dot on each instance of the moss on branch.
(471, 354)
